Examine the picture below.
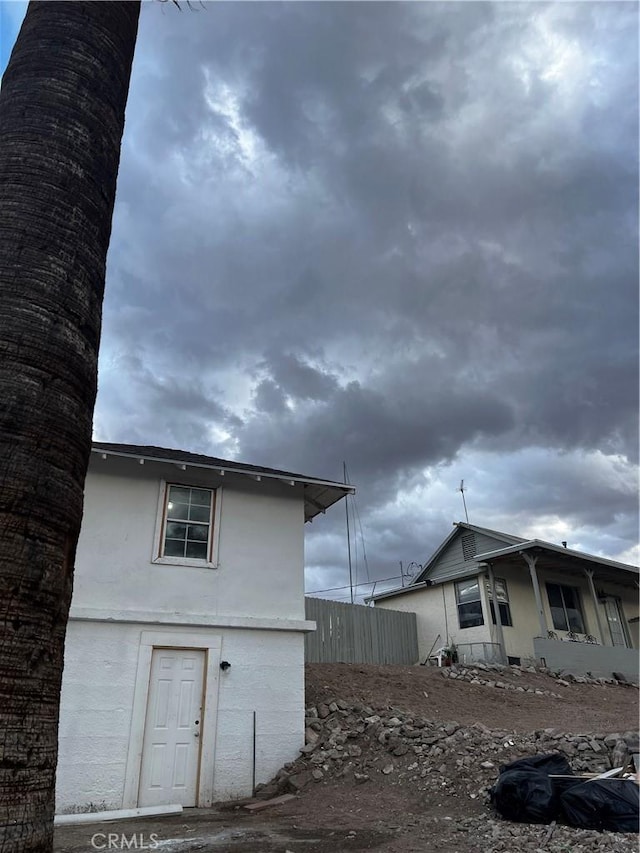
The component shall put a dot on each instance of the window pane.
(556, 606)
(559, 619)
(199, 513)
(575, 620)
(467, 591)
(554, 595)
(176, 530)
(177, 510)
(197, 550)
(199, 532)
(501, 590)
(179, 494)
(570, 597)
(174, 548)
(201, 497)
(470, 614)
(505, 614)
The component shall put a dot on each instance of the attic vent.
(469, 546)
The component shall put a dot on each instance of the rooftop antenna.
(464, 503)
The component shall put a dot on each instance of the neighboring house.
(184, 661)
(572, 610)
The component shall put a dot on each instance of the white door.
(170, 751)
(615, 620)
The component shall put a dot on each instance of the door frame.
(617, 601)
(212, 646)
(146, 796)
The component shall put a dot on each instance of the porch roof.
(551, 555)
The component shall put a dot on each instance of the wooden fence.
(352, 633)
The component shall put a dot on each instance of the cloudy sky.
(400, 235)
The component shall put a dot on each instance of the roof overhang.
(392, 593)
(551, 556)
(319, 495)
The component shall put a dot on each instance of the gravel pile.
(350, 743)
(487, 675)
(492, 835)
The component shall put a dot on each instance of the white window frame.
(214, 534)
(506, 602)
(472, 579)
(577, 592)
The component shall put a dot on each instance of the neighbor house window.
(503, 602)
(469, 603)
(188, 523)
(564, 603)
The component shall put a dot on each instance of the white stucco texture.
(266, 677)
(247, 603)
(260, 549)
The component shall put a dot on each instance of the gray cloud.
(401, 235)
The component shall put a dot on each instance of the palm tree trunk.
(62, 107)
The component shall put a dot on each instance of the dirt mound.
(410, 753)
(597, 707)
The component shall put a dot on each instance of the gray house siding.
(457, 557)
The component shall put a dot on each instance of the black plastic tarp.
(605, 804)
(551, 763)
(524, 792)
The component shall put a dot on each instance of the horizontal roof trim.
(557, 549)
(319, 494)
(488, 531)
(391, 593)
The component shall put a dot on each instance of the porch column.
(496, 610)
(531, 562)
(596, 605)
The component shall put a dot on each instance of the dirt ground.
(384, 815)
(583, 708)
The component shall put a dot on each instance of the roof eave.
(556, 549)
(392, 593)
(331, 492)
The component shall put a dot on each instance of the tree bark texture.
(62, 107)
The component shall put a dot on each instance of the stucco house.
(565, 608)
(184, 662)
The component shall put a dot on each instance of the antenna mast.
(464, 503)
(346, 507)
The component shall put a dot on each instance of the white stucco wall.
(261, 546)
(427, 605)
(266, 676)
(437, 613)
(252, 602)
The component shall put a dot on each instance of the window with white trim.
(566, 612)
(187, 530)
(469, 603)
(503, 602)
